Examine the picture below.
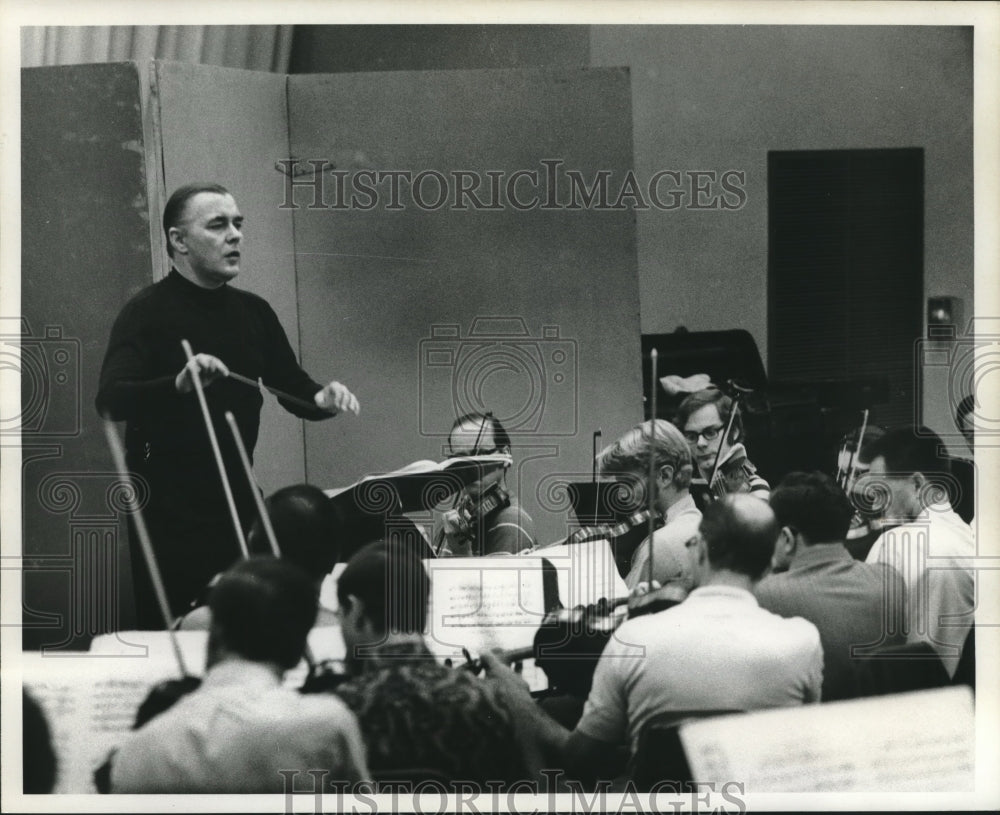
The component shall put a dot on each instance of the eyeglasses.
(469, 453)
(708, 433)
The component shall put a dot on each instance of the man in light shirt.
(932, 547)
(242, 731)
(716, 651)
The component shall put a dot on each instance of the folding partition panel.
(231, 127)
(432, 303)
(84, 253)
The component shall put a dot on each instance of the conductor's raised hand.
(336, 398)
(207, 367)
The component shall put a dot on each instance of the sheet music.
(484, 603)
(586, 572)
(90, 705)
(909, 742)
(487, 462)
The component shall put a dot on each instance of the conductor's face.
(208, 240)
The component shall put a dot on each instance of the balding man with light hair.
(628, 459)
(716, 651)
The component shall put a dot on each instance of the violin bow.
(857, 448)
(737, 395)
(196, 379)
(651, 483)
(265, 519)
(118, 454)
(595, 446)
(254, 486)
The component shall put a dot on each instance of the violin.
(733, 475)
(473, 509)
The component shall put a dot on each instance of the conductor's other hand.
(209, 369)
(337, 398)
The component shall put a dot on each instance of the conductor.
(146, 380)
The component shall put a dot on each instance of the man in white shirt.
(242, 731)
(628, 459)
(716, 651)
(932, 547)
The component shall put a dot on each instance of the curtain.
(254, 47)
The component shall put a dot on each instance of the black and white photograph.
(500, 407)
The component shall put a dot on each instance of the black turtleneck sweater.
(166, 437)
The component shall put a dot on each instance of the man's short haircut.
(173, 212)
(735, 542)
(666, 446)
(813, 504)
(303, 523)
(908, 450)
(393, 585)
(262, 609)
(500, 437)
(710, 396)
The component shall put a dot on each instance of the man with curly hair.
(421, 720)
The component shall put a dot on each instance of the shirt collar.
(242, 672)
(732, 592)
(819, 553)
(685, 504)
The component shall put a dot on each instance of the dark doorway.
(845, 270)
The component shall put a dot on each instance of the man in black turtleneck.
(147, 382)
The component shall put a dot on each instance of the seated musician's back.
(856, 606)
(416, 715)
(716, 651)
(242, 728)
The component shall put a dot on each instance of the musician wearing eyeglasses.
(720, 459)
(485, 518)
(147, 382)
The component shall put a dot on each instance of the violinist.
(720, 460)
(145, 382)
(241, 728)
(628, 460)
(485, 518)
(853, 463)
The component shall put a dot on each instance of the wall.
(720, 97)
(380, 288)
(345, 48)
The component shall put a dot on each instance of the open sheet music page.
(908, 742)
(586, 572)
(484, 603)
